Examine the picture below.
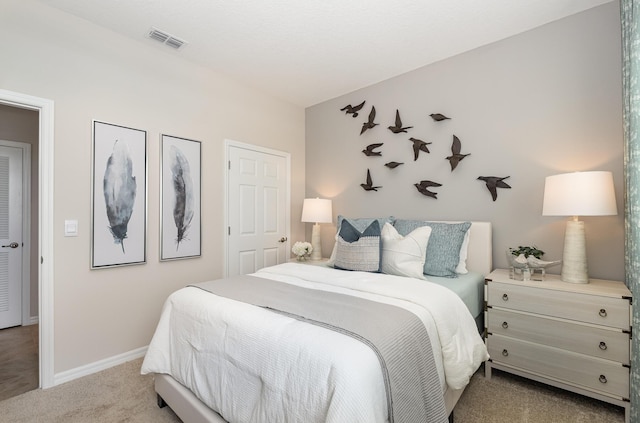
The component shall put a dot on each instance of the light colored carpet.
(121, 394)
(507, 398)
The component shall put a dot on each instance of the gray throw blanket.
(397, 336)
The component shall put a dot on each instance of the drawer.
(587, 372)
(606, 311)
(611, 344)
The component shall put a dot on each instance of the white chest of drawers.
(572, 336)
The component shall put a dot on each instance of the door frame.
(228, 144)
(45, 109)
(25, 282)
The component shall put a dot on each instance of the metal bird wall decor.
(393, 165)
(368, 185)
(369, 150)
(397, 128)
(455, 156)
(418, 146)
(369, 124)
(352, 110)
(494, 182)
(438, 117)
(423, 188)
(119, 187)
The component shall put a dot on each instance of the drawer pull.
(506, 353)
(603, 346)
(603, 379)
(505, 325)
(505, 297)
(603, 312)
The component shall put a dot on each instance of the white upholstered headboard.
(480, 254)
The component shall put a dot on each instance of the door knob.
(12, 245)
(283, 239)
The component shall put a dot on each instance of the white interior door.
(11, 247)
(257, 209)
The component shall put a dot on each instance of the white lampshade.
(578, 194)
(316, 210)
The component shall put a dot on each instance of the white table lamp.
(316, 210)
(578, 194)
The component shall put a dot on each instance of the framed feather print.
(180, 176)
(119, 196)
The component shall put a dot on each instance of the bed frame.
(191, 410)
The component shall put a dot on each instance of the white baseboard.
(33, 320)
(98, 366)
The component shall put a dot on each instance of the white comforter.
(253, 365)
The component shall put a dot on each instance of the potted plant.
(527, 251)
(302, 250)
(526, 261)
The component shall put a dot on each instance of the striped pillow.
(357, 250)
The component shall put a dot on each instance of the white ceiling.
(309, 51)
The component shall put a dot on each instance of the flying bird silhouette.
(369, 150)
(393, 165)
(423, 188)
(397, 128)
(455, 156)
(418, 146)
(369, 123)
(438, 117)
(494, 182)
(368, 186)
(348, 109)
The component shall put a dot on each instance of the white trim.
(45, 221)
(287, 156)
(99, 366)
(26, 226)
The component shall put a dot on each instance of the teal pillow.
(358, 250)
(443, 249)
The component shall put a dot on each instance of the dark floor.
(18, 360)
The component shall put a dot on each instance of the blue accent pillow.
(443, 249)
(360, 223)
(356, 250)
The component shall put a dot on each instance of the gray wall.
(543, 102)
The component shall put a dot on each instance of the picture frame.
(180, 198)
(119, 196)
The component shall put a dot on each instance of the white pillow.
(461, 268)
(404, 256)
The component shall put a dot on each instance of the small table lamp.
(578, 194)
(316, 210)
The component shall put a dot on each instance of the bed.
(261, 367)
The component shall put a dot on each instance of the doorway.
(257, 204)
(43, 245)
(16, 286)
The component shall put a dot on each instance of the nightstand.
(573, 336)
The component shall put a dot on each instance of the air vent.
(174, 42)
(166, 38)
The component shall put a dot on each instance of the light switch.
(70, 228)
